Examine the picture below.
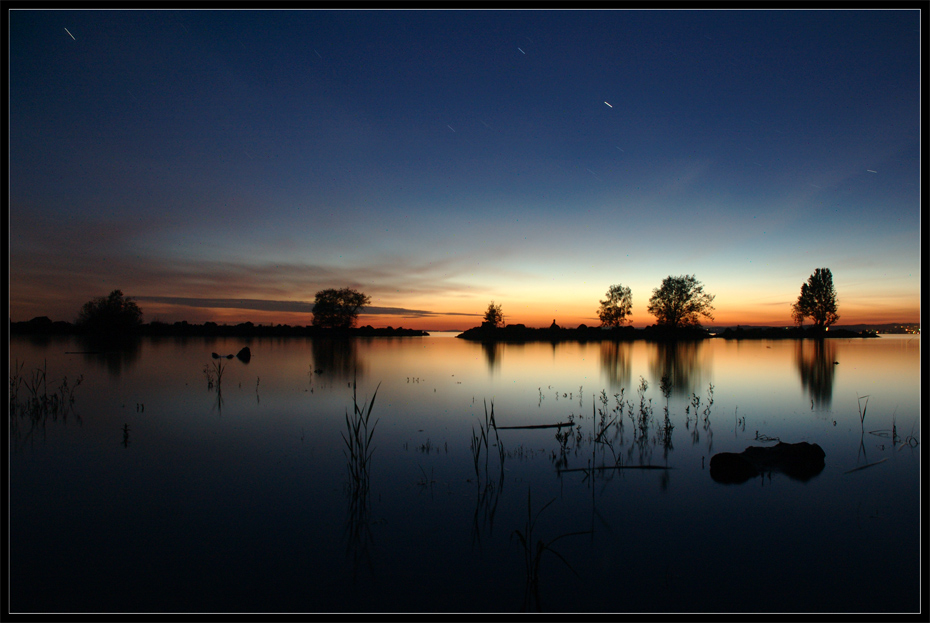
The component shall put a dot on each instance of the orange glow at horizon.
(439, 321)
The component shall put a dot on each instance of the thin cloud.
(286, 306)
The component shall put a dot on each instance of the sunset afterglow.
(437, 160)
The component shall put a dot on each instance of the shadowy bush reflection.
(492, 353)
(679, 362)
(815, 360)
(117, 354)
(615, 363)
(337, 358)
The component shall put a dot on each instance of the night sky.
(226, 165)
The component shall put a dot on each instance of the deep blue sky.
(440, 159)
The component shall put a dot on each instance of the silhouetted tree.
(817, 300)
(110, 314)
(616, 307)
(494, 316)
(680, 301)
(338, 309)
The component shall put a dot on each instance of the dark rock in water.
(214, 355)
(244, 355)
(799, 461)
(730, 467)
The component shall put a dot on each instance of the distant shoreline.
(44, 326)
(510, 333)
(520, 333)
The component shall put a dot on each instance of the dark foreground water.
(158, 493)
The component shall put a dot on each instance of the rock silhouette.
(799, 461)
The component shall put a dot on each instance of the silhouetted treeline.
(789, 333)
(43, 325)
(654, 333)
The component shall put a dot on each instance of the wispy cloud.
(287, 306)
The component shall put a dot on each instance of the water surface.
(158, 493)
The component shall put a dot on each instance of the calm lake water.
(158, 493)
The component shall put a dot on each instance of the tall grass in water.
(862, 409)
(665, 432)
(33, 398)
(358, 452)
(358, 436)
(483, 440)
(214, 374)
(488, 491)
(533, 551)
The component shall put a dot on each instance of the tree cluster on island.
(678, 305)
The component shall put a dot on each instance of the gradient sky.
(227, 164)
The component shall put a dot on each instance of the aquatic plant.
(40, 400)
(862, 409)
(665, 432)
(645, 407)
(532, 552)
(357, 438)
(482, 440)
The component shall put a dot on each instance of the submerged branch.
(560, 425)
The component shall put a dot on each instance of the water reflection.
(678, 361)
(815, 361)
(615, 363)
(492, 353)
(626, 464)
(116, 355)
(337, 358)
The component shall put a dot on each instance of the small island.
(582, 333)
(653, 333)
(678, 306)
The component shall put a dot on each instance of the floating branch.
(856, 469)
(606, 467)
(560, 425)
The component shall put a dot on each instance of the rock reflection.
(816, 364)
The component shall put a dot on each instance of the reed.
(210, 376)
(862, 409)
(533, 551)
(40, 400)
(483, 441)
(358, 440)
(645, 407)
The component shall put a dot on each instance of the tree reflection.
(677, 361)
(116, 354)
(492, 352)
(337, 358)
(815, 360)
(615, 363)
